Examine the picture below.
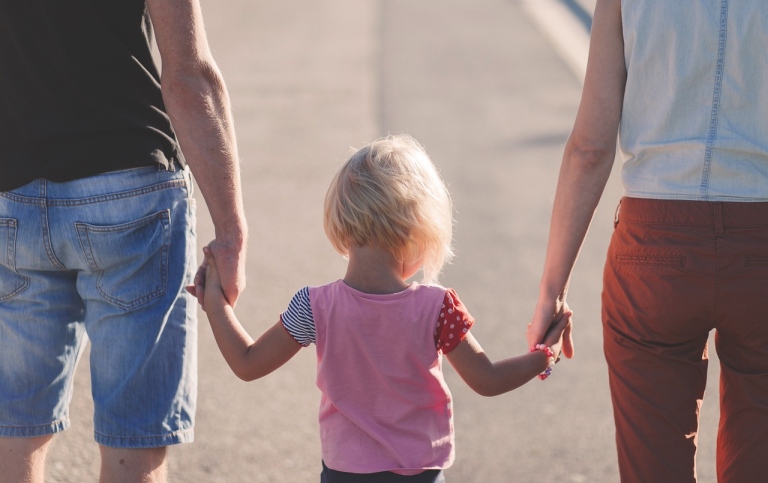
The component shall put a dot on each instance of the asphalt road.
(480, 86)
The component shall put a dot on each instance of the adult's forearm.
(583, 175)
(590, 150)
(199, 108)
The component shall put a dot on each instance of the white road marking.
(566, 33)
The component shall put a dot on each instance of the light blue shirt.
(695, 116)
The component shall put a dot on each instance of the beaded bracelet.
(550, 357)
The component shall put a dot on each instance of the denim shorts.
(105, 259)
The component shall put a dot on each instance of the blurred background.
(491, 88)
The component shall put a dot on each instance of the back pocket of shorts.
(131, 260)
(11, 283)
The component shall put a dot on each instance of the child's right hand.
(214, 293)
(560, 330)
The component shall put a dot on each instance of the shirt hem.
(377, 469)
(685, 197)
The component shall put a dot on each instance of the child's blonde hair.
(390, 193)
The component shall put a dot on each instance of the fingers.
(199, 279)
(208, 254)
(535, 333)
(200, 283)
(568, 341)
(230, 269)
(541, 326)
(197, 288)
(549, 315)
(567, 319)
(558, 337)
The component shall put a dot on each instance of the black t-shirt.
(79, 91)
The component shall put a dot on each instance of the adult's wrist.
(232, 234)
(551, 296)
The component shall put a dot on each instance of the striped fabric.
(297, 318)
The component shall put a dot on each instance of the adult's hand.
(230, 263)
(548, 315)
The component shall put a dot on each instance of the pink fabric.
(385, 405)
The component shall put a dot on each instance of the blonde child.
(385, 411)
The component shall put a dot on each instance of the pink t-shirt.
(385, 405)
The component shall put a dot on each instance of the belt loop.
(616, 215)
(719, 219)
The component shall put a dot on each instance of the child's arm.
(249, 360)
(489, 378)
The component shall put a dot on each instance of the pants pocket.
(658, 260)
(11, 282)
(130, 260)
(760, 261)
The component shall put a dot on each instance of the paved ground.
(484, 91)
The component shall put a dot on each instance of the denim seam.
(156, 440)
(10, 257)
(10, 241)
(56, 421)
(162, 435)
(723, 36)
(43, 205)
(96, 199)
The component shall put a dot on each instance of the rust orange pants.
(675, 271)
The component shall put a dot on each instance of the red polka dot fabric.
(453, 323)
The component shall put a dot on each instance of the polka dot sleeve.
(453, 323)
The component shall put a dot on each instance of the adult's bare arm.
(198, 104)
(586, 166)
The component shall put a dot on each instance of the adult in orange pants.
(682, 84)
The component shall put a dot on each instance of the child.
(385, 412)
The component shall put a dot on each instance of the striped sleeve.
(297, 318)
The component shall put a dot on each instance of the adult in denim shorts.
(683, 84)
(97, 237)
